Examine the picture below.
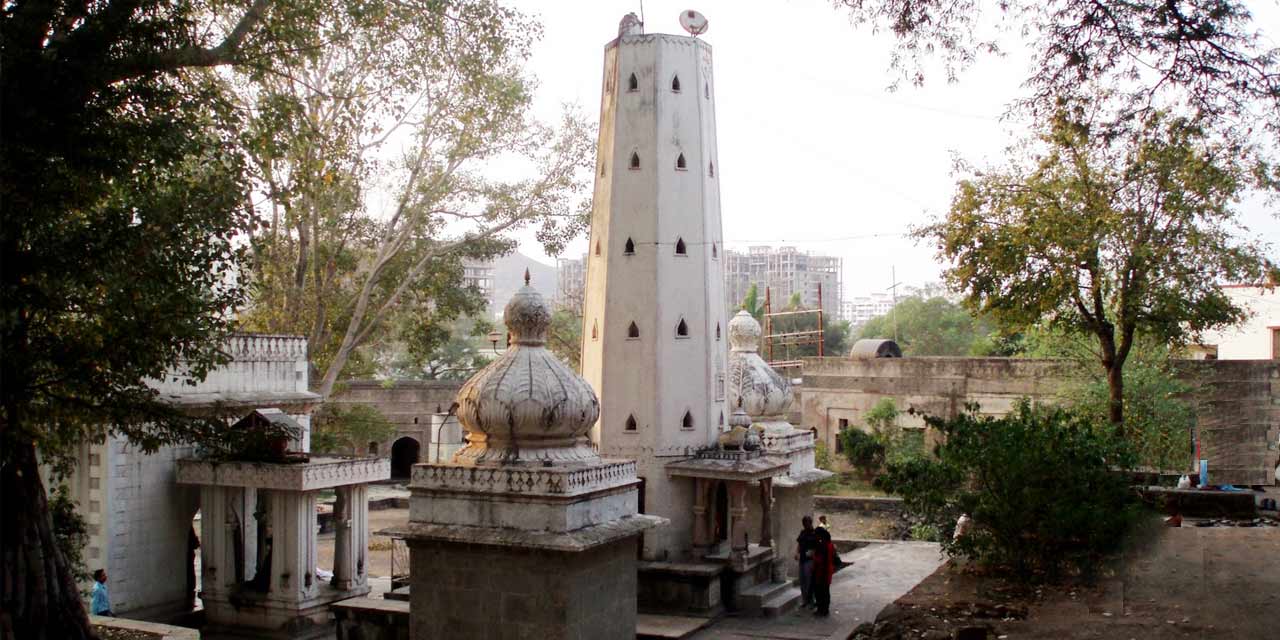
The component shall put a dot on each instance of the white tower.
(654, 324)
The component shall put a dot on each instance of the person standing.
(824, 566)
(101, 605)
(805, 544)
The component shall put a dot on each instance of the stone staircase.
(769, 599)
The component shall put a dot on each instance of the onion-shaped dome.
(527, 407)
(753, 384)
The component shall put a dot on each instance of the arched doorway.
(404, 454)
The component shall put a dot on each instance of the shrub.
(1038, 483)
(863, 450)
(70, 531)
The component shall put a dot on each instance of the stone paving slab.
(650, 625)
(880, 574)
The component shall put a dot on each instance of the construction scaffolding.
(790, 339)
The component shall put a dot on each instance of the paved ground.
(880, 574)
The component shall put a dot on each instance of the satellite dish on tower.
(693, 22)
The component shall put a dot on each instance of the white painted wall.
(658, 376)
(1252, 339)
(138, 516)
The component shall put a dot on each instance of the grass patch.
(849, 485)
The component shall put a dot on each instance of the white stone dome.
(527, 407)
(753, 385)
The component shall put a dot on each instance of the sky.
(815, 152)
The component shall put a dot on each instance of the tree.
(752, 303)
(1191, 57)
(932, 326)
(1105, 236)
(443, 352)
(123, 193)
(564, 338)
(412, 100)
(337, 429)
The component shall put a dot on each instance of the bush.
(863, 450)
(70, 531)
(1039, 484)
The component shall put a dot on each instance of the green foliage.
(70, 531)
(925, 533)
(753, 305)
(1158, 418)
(863, 450)
(932, 326)
(1041, 485)
(349, 429)
(822, 460)
(261, 443)
(441, 350)
(564, 338)
(413, 100)
(1104, 235)
(1203, 57)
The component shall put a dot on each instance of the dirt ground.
(1219, 583)
(379, 558)
(863, 526)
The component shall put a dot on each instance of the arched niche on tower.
(633, 83)
(681, 164)
(681, 249)
(675, 83)
(634, 164)
(682, 329)
(629, 249)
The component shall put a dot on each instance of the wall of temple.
(138, 517)
(1237, 402)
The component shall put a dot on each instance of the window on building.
(633, 331)
(682, 329)
(373, 448)
(687, 421)
(597, 246)
(706, 89)
(717, 331)
(635, 160)
(680, 164)
(629, 248)
(721, 418)
(631, 423)
(680, 248)
(601, 169)
(711, 170)
(714, 254)
(633, 83)
(595, 330)
(675, 84)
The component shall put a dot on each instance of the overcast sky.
(814, 152)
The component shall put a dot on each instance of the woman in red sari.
(824, 566)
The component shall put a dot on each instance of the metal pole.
(768, 328)
(822, 336)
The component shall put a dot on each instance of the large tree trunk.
(38, 595)
(1115, 387)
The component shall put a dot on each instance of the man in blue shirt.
(101, 605)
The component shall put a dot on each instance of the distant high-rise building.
(859, 309)
(479, 275)
(571, 280)
(785, 271)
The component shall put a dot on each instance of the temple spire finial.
(526, 276)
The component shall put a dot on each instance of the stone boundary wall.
(161, 631)
(409, 404)
(853, 503)
(1237, 401)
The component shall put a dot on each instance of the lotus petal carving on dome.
(526, 407)
(753, 383)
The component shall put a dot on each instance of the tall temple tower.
(654, 324)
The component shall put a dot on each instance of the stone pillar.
(700, 535)
(766, 509)
(351, 529)
(217, 564)
(738, 515)
(293, 555)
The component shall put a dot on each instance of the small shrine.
(258, 533)
(526, 528)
